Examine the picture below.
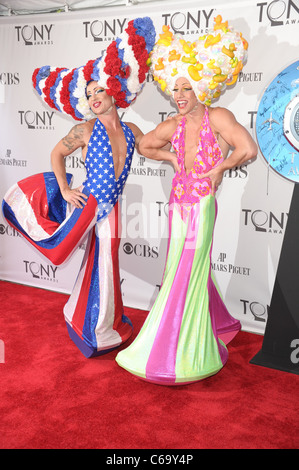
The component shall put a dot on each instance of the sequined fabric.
(100, 180)
(34, 206)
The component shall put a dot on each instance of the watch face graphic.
(291, 122)
(277, 124)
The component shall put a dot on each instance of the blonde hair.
(210, 63)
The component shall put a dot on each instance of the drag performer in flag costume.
(55, 218)
(184, 337)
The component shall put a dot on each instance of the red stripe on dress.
(115, 242)
(60, 253)
(123, 329)
(35, 191)
(81, 305)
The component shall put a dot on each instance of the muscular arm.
(156, 143)
(232, 134)
(137, 134)
(235, 135)
(68, 144)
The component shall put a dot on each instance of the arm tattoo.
(75, 134)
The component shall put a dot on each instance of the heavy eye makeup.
(98, 90)
(175, 90)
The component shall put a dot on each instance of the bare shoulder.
(83, 127)
(86, 128)
(135, 129)
(220, 117)
(79, 135)
(80, 131)
(227, 129)
(138, 134)
(166, 129)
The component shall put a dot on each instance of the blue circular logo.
(277, 124)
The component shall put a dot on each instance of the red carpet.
(52, 397)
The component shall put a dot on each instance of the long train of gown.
(180, 340)
(94, 312)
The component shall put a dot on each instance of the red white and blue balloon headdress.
(210, 63)
(121, 71)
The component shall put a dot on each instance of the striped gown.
(94, 312)
(184, 335)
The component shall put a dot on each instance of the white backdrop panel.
(251, 223)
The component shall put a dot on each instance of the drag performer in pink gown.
(184, 337)
(54, 218)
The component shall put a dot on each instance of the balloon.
(209, 63)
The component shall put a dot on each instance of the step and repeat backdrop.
(253, 199)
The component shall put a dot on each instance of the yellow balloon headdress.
(209, 63)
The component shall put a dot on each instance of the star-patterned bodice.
(100, 178)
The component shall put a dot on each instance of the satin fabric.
(180, 341)
(35, 207)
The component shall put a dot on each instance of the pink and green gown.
(184, 336)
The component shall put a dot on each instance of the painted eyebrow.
(183, 84)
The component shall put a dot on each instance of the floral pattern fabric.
(188, 188)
